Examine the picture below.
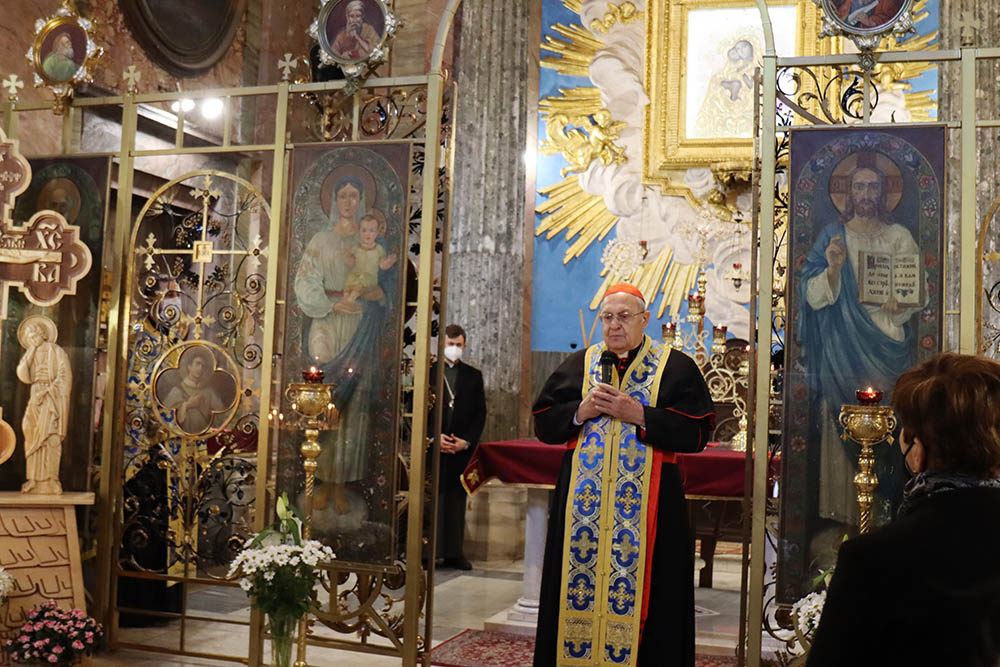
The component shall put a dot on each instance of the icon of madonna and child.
(346, 270)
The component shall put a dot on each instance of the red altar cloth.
(712, 472)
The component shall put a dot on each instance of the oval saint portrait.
(61, 49)
(864, 16)
(351, 29)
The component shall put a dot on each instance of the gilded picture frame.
(686, 54)
(346, 311)
(63, 53)
(354, 34)
(836, 344)
(873, 18)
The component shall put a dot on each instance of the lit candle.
(668, 331)
(868, 396)
(313, 375)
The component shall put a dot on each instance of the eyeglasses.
(622, 318)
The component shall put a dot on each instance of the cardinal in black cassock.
(617, 579)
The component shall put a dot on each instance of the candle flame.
(312, 369)
(869, 390)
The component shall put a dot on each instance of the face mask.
(453, 353)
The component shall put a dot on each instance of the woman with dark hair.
(925, 589)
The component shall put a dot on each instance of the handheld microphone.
(608, 360)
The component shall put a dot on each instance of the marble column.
(535, 528)
(970, 23)
(491, 230)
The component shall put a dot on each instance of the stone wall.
(969, 23)
(489, 271)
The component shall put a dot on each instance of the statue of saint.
(44, 366)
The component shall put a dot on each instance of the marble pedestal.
(522, 618)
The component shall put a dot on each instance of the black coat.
(466, 420)
(922, 590)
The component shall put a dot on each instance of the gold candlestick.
(312, 400)
(867, 425)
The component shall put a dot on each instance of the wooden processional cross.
(44, 259)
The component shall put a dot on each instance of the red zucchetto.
(625, 288)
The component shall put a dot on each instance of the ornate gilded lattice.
(989, 296)
(196, 325)
(383, 113)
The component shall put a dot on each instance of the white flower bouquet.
(807, 612)
(279, 570)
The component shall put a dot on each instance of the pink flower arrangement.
(54, 636)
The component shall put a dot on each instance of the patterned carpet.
(479, 648)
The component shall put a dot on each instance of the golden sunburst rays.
(576, 212)
(663, 279)
(582, 101)
(574, 54)
(585, 219)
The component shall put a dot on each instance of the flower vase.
(282, 628)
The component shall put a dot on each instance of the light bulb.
(184, 104)
(212, 108)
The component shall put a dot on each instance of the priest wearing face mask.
(617, 578)
(464, 413)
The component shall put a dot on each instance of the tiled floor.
(462, 600)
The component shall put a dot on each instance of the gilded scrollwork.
(63, 53)
(622, 14)
(196, 314)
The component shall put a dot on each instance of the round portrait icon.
(199, 390)
(865, 16)
(349, 30)
(62, 196)
(60, 50)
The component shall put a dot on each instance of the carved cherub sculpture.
(580, 148)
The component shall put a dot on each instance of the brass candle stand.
(312, 402)
(867, 425)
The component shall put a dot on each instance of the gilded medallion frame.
(171, 361)
(335, 12)
(833, 15)
(84, 53)
(668, 148)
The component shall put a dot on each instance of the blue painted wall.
(560, 291)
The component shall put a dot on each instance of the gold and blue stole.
(605, 544)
